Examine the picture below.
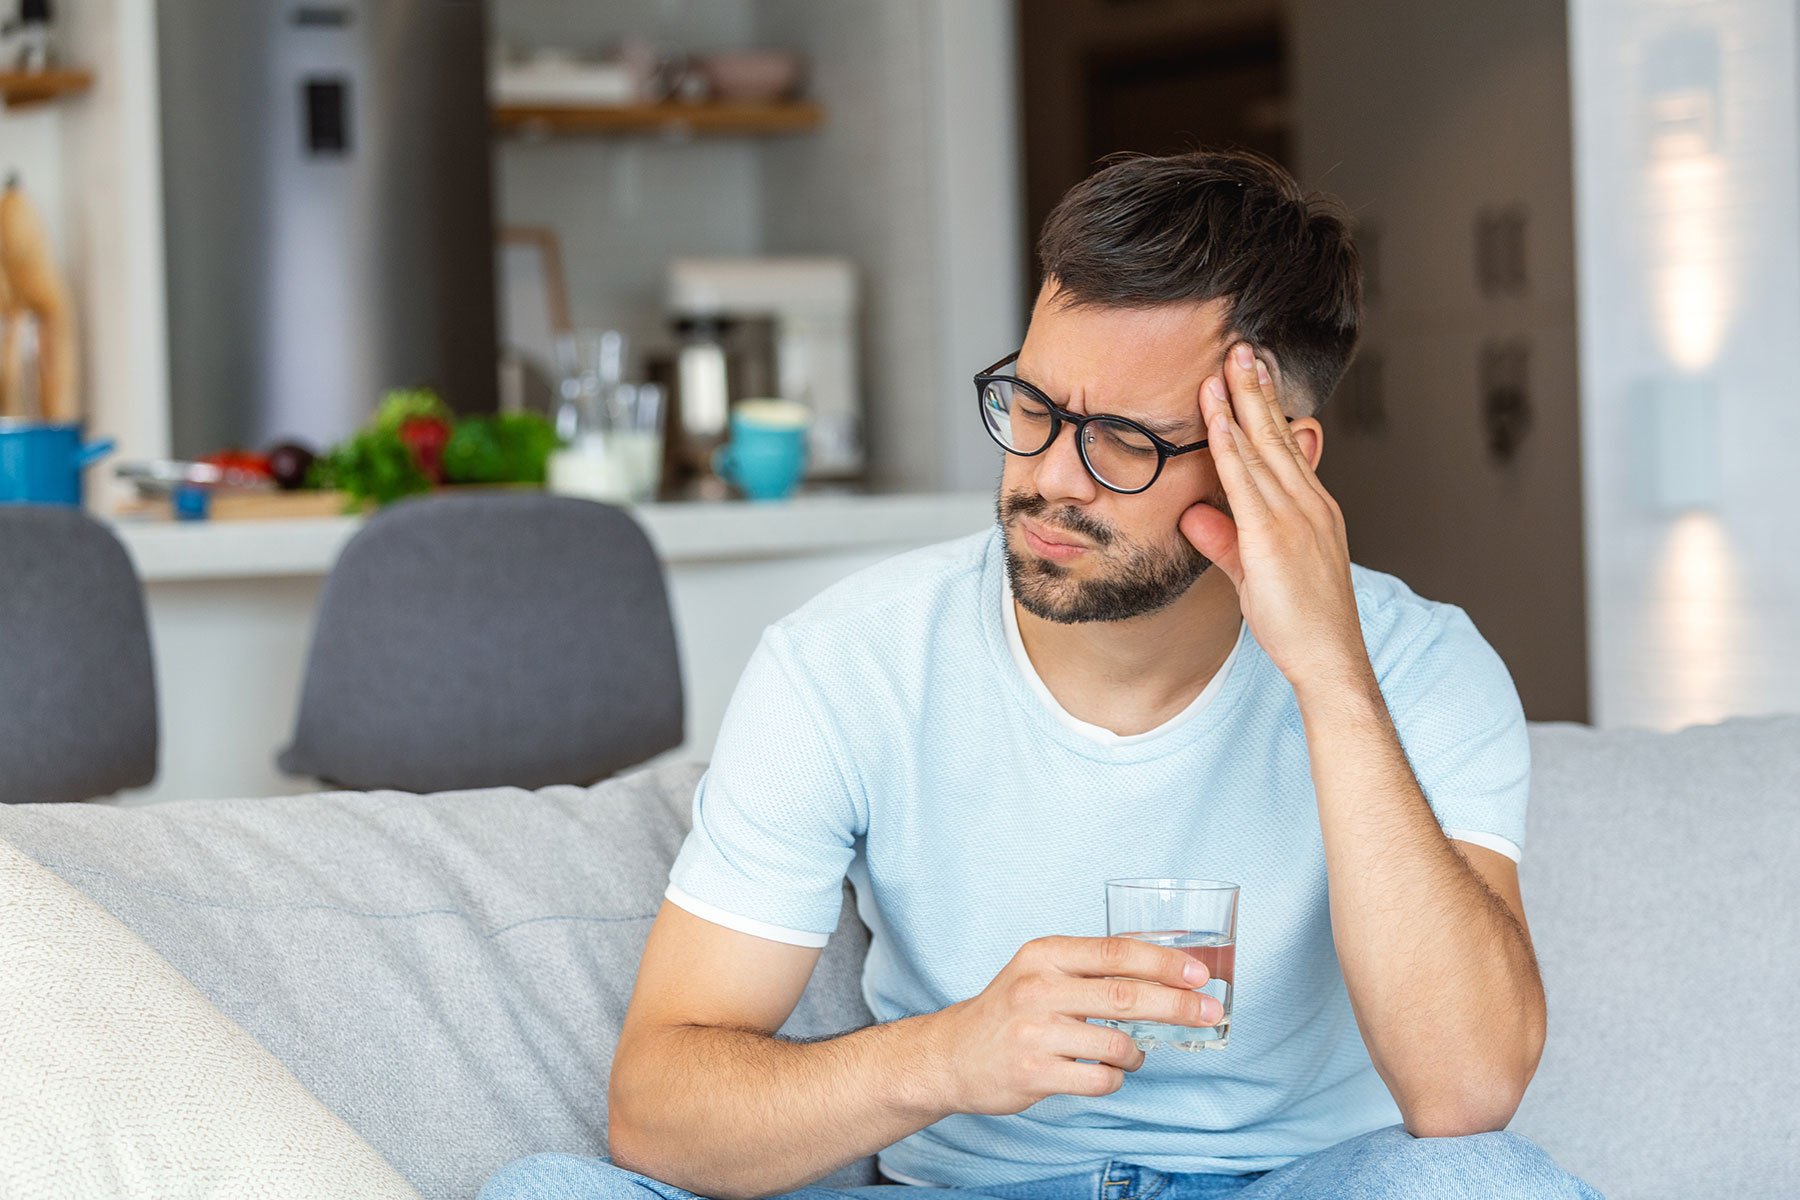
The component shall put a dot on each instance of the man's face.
(1076, 551)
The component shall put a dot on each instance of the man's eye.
(1125, 439)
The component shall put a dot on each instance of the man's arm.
(703, 1096)
(1431, 936)
(1439, 970)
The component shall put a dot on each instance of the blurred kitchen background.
(1569, 414)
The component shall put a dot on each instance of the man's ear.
(1311, 436)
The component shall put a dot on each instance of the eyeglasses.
(1120, 454)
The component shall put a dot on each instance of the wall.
(92, 166)
(1687, 165)
(1152, 76)
(979, 183)
(916, 175)
(1420, 115)
(31, 148)
(622, 207)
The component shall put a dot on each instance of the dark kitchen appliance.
(328, 213)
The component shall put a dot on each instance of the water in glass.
(1218, 951)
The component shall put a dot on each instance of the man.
(1160, 663)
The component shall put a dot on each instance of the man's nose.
(1061, 475)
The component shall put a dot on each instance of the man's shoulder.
(899, 595)
(1405, 631)
(1387, 599)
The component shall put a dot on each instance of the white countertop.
(701, 531)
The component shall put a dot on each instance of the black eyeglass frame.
(1165, 449)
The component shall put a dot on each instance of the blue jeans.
(1389, 1164)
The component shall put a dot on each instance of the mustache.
(1067, 518)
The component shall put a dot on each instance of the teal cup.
(766, 456)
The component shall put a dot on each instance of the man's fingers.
(1102, 1044)
(1213, 534)
(1258, 412)
(1232, 453)
(1138, 1000)
(1087, 1079)
(1252, 399)
(1103, 958)
(1286, 427)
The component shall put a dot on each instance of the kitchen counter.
(231, 608)
(700, 531)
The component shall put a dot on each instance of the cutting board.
(251, 506)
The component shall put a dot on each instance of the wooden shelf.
(18, 89)
(677, 120)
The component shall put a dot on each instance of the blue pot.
(41, 463)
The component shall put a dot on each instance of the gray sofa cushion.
(447, 973)
(1661, 886)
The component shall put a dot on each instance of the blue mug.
(766, 456)
(41, 462)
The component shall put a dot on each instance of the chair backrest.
(478, 640)
(77, 692)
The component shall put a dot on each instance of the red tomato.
(426, 437)
(240, 462)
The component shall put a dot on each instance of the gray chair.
(77, 692)
(481, 640)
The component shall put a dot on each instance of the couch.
(448, 973)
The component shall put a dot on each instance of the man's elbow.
(1483, 1098)
(639, 1135)
(1483, 1107)
(632, 1149)
(623, 1145)
(629, 1142)
(1435, 1124)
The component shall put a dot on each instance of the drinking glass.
(635, 427)
(592, 364)
(1197, 917)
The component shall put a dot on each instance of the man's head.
(1153, 268)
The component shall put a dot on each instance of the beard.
(1140, 579)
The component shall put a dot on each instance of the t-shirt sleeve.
(1463, 729)
(777, 814)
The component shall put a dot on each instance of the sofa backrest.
(1663, 893)
(447, 973)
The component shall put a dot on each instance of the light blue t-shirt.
(887, 731)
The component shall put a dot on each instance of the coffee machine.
(808, 306)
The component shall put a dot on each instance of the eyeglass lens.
(1120, 455)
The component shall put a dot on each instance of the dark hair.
(1211, 224)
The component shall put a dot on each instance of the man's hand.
(1018, 1041)
(1287, 553)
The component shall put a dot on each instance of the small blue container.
(190, 502)
(41, 463)
(766, 461)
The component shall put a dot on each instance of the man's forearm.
(733, 1114)
(1439, 973)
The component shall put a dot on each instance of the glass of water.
(1197, 917)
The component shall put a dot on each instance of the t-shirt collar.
(1106, 737)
